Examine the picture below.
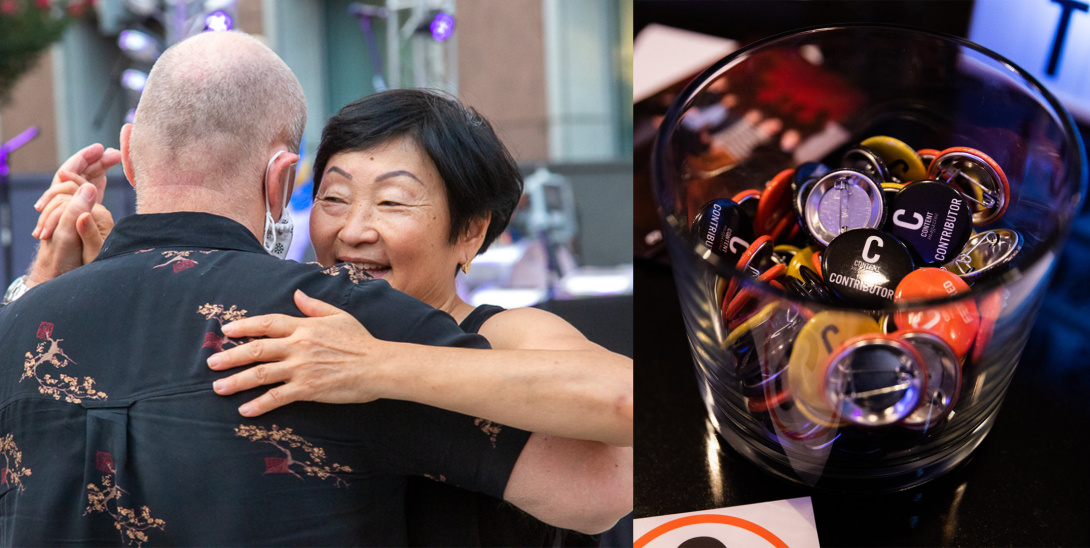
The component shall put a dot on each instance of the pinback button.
(723, 227)
(874, 380)
(804, 257)
(864, 266)
(933, 219)
(989, 251)
(927, 155)
(823, 334)
(815, 287)
(865, 160)
(783, 253)
(943, 379)
(956, 323)
(756, 259)
(775, 203)
(902, 162)
(747, 200)
(978, 177)
(841, 201)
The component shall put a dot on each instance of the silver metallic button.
(874, 380)
(989, 251)
(943, 379)
(978, 177)
(841, 201)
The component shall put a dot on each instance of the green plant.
(27, 28)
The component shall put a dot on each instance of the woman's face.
(386, 210)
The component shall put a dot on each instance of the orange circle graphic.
(709, 518)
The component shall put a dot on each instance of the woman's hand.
(326, 357)
(89, 165)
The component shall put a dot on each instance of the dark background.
(1028, 484)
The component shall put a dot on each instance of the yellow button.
(804, 257)
(901, 160)
(816, 341)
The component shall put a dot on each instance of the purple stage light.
(442, 27)
(218, 20)
(134, 80)
(139, 45)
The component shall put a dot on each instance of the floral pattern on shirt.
(181, 260)
(355, 272)
(312, 464)
(12, 472)
(490, 428)
(131, 523)
(70, 389)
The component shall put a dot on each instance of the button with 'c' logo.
(902, 162)
(722, 227)
(864, 266)
(933, 219)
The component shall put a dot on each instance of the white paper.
(663, 56)
(778, 523)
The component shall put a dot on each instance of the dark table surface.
(1028, 484)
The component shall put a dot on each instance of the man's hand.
(82, 226)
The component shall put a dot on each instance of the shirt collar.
(182, 229)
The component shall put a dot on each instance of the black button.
(934, 219)
(863, 159)
(864, 266)
(722, 226)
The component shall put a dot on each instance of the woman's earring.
(465, 267)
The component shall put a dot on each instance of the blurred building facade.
(553, 76)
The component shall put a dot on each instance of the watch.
(16, 289)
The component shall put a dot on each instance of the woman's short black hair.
(480, 175)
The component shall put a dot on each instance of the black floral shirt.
(110, 432)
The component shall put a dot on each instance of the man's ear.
(471, 240)
(126, 161)
(281, 177)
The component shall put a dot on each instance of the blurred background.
(1031, 463)
(554, 77)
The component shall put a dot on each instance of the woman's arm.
(543, 375)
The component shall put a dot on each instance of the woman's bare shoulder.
(533, 329)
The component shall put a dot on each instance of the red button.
(956, 323)
(990, 307)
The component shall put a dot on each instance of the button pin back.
(874, 380)
(840, 201)
(978, 177)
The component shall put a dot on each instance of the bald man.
(109, 430)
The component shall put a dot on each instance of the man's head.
(215, 109)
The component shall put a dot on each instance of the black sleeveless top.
(443, 515)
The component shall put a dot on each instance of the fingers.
(275, 397)
(261, 350)
(313, 307)
(260, 375)
(82, 202)
(90, 235)
(56, 196)
(268, 325)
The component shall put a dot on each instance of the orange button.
(956, 323)
(990, 307)
(775, 204)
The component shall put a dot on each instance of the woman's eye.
(332, 199)
(390, 203)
